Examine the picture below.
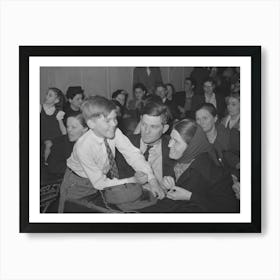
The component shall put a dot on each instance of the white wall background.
(139, 256)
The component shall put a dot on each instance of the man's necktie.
(114, 173)
(147, 152)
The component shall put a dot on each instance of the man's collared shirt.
(155, 158)
(211, 100)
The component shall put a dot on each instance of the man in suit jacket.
(150, 77)
(151, 141)
(210, 96)
(183, 99)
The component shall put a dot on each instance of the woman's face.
(51, 98)
(233, 106)
(121, 98)
(205, 119)
(177, 145)
(74, 129)
(77, 101)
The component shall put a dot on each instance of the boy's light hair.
(95, 106)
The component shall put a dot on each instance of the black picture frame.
(254, 52)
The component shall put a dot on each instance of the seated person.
(63, 146)
(151, 141)
(209, 96)
(119, 112)
(92, 166)
(135, 105)
(51, 121)
(162, 92)
(120, 96)
(184, 99)
(225, 142)
(200, 183)
(232, 120)
(75, 96)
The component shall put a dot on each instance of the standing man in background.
(150, 77)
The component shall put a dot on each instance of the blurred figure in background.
(148, 76)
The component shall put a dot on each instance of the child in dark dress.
(51, 120)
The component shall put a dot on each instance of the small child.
(51, 119)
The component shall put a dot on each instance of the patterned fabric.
(147, 152)
(114, 173)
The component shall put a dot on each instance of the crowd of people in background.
(193, 139)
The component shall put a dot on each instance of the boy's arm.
(95, 174)
(132, 155)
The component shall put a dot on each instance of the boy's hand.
(155, 188)
(60, 115)
(141, 177)
(168, 183)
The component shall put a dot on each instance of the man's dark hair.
(208, 107)
(154, 108)
(192, 81)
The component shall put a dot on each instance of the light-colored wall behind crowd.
(102, 80)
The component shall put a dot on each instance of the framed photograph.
(93, 158)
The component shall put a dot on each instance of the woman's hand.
(168, 183)
(60, 115)
(178, 193)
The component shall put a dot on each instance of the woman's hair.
(81, 119)
(208, 107)
(60, 96)
(235, 95)
(94, 106)
(118, 92)
(186, 128)
(172, 88)
(73, 91)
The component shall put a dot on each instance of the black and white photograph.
(183, 122)
(118, 137)
(139, 140)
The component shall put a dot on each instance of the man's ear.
(91, 123)
(165, 128)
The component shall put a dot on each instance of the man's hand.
(141, 177)
(155, 188)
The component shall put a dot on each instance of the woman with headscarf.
(200, 184)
